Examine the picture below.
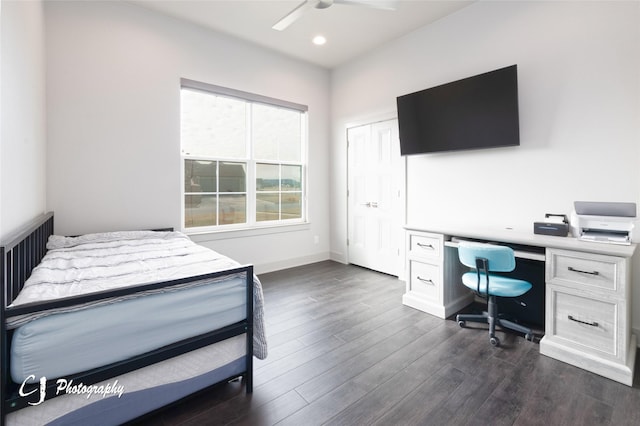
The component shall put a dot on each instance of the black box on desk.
(549, 228)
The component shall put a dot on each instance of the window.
(243, 158)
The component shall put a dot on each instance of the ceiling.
(351, 30)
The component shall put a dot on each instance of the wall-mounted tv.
(472, 113)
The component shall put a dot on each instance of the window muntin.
(243, 159)
(278, 192)
(214, 193)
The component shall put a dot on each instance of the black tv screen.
(472, 113)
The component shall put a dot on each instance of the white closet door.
(375, 211)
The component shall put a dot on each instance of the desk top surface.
(529, 238)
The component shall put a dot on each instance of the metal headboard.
(21, 252)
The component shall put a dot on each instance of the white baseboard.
(263, 268)
(338, 257)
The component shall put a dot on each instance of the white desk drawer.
(424, 246)
(590, 323)
(425, 280)
(585, 270)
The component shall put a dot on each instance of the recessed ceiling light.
(319, 40)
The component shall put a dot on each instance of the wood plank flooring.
(343, 350)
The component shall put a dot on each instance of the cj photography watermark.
(64, 386)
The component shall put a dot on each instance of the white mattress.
(92, 263)
(144, 390)
(65, 343)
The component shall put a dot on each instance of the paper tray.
(611, 237)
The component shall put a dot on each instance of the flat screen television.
(472, 113)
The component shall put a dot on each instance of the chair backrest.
(500, 258)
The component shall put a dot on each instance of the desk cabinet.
(587, 292)
(588, 313)
(426, 267)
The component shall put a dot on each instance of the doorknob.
(368, 204)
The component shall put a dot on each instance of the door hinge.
(347, 242)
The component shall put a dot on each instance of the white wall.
(113, 79)
(22, 115)
(579, 95)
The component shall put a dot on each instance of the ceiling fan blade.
(295, 14)
(374, 4)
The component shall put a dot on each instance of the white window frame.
(251, 223)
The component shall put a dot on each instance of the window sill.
(202, 236)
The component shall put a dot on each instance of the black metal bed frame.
(24, 250)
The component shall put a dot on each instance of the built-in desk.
(587, 292)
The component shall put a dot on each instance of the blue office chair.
(487, 258)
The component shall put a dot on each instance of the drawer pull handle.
(583, 272)
(426, 280)
(426, 246)
(592, 324)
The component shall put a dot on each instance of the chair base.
(491, 317)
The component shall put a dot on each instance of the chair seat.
(499, 285)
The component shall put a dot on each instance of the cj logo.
(67, 386)
(43, 389)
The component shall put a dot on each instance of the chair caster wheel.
(530, 337)
(494, 341)
(462, 323)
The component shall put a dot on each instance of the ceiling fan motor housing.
(323, 4)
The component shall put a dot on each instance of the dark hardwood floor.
(343, 350)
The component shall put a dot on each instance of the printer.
(603, 222)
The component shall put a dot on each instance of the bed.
(104, 328)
